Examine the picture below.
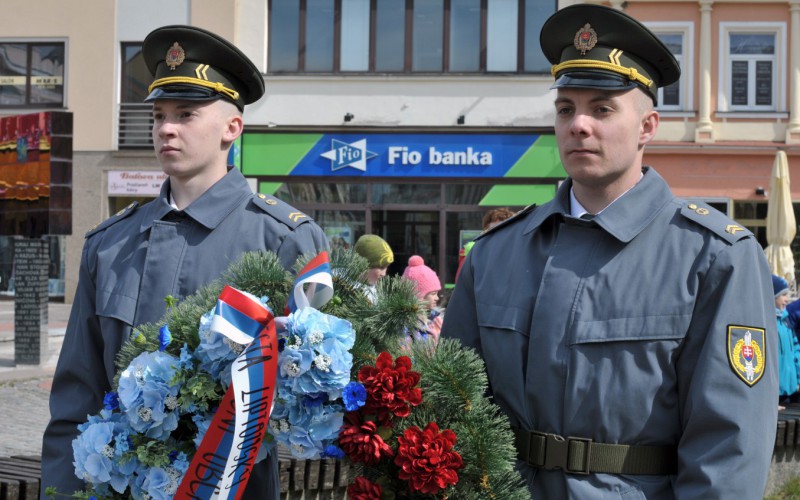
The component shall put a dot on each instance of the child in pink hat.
(428, 287)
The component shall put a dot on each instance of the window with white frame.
(678, 37)
(752, 67)
(407, 36)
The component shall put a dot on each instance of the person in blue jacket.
(628, 335)
(205, 218)
(789, 348)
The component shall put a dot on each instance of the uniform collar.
(210, 208)
(623, 219)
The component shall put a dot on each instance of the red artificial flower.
(390, 387)
(361, 442)
(426, 459)
(363, 489)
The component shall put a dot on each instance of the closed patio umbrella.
(781, 224)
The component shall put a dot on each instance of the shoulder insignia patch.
(113, 219)
(517, 216)
(280, 210)
(747, 351)
(715, 221)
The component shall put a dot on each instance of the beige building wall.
(90, 62)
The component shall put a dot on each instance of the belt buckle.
(584, 470)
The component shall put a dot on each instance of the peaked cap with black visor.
(597, 47)
(192, 64)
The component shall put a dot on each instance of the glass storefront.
(410, 216)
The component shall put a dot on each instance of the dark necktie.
(587, 216)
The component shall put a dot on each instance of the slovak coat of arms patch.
(747, 352)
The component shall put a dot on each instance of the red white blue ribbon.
(317, 275)
(225, 458)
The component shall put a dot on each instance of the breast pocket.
(627, 367)
(504, 331)
(115, 305)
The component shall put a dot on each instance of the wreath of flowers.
(345, 389)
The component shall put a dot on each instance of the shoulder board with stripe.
(517, 216)
(113, 219)
(280, 210)
(715, 221)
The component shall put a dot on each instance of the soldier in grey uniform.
(627, 334)
(205, 217)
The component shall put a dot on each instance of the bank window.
(752, 69)
(407, 36)
(678, 39)
(32, 74)
(322, 193)
(389, 194)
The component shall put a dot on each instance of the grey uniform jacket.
(130, 263)
(616, 329)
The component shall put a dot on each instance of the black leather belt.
(576, 455)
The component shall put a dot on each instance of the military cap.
(193, 64)
(597, 47)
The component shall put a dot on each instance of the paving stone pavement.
(25, 389)
(25, 415)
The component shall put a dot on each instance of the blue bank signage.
(414, 155)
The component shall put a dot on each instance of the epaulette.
(113, 219)
(517, 216)
(280, 210)
(715, 221)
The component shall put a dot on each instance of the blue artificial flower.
(315, 400)
(147, 395)
(325, 340)
(214, 353)
(92, 451)
(333, 451)
(203, 422)
(96, 457)
(281, 344)
(157, 483)
(181, 463)
(354, 396)
(164, 337)
(123, 443)
(186, 363)
(111, 401)
(306, 431)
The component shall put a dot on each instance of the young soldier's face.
(601, 134)
(191, 138)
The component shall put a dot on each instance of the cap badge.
(585, 39)
(175, 56)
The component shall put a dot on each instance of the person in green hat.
(379, 255)
(205, 217)
(628, 334)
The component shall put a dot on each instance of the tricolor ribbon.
(224, 460)
(317, 274)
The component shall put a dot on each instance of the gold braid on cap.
(215, 86)
(614, 66)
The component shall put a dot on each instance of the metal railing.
(135, 125)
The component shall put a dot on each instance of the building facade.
(407, 118)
